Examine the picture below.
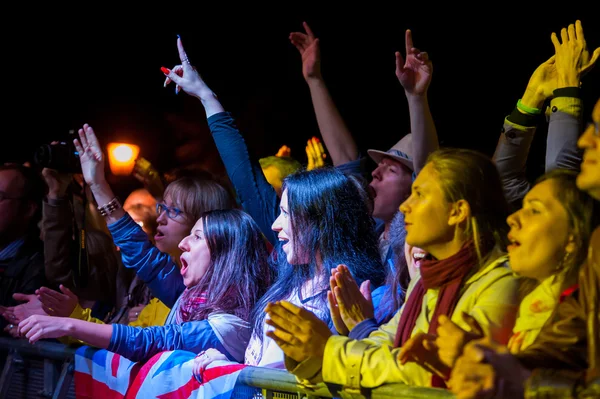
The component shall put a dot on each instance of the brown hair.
(195, 195)
(471, 176)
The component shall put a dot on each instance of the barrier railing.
(45, 370)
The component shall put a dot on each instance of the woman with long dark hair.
(224, 266)
(324, 221)
(457, 213)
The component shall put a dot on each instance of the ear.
(459, 213)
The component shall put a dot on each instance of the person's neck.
(447, 249)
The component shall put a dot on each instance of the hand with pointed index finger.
(308, 47)
(186, 76)
(414, 73)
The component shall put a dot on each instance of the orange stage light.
(121, 158)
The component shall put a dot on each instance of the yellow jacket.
(490, 295)
(153, 314)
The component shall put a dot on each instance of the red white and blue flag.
(167, 375)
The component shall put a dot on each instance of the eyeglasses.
(172, 212)
(5, 196)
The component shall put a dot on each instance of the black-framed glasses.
(172, 212)
(5, 196)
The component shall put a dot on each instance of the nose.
(183, 245)
(404, 207)
(513, 220)
(586, 139)
(377, 172)
(276, 226)
(162, 217)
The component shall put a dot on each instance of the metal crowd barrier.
(45, 370)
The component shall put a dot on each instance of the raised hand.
(542, 84)
(91, 156)
(415, 72)
(297, 331)
(315, 153)
(186, 77)
(57, 182)
(308, 46)
(573, 60)
(284, 151)
(56, 303)
(355, 304)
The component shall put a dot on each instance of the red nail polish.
(164, 70)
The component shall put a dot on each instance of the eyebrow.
(530, 200)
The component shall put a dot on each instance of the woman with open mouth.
(225, 270)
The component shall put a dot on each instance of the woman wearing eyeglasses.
(185, 200)
(224, 266)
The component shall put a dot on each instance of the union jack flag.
(167, 375)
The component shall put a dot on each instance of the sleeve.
(564, 127)
(80, 313)
(155, 268)
(511, 154)
(138, 344)
(153, 314)
(102, 258)
(372, 362)
(257, 196)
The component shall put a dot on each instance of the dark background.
(67, 67)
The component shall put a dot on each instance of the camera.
(60, 156)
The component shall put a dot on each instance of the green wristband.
(528, 110)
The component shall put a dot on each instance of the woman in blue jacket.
(225, 270)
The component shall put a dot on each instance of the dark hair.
(285, 165)
(196, 194)
(472, 176)
(330, 219)
(239, 272)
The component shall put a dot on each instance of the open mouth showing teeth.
(419, 256)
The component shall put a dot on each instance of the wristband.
(113, 205)
(528, 110)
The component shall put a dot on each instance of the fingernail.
(164, 70)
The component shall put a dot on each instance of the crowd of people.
(442, 268)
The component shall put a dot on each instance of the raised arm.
(257, 196)
(414, 74)
(572, 61)
(337, 137)
(155, 268)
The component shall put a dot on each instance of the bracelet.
(528, 110)
(113, 205)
